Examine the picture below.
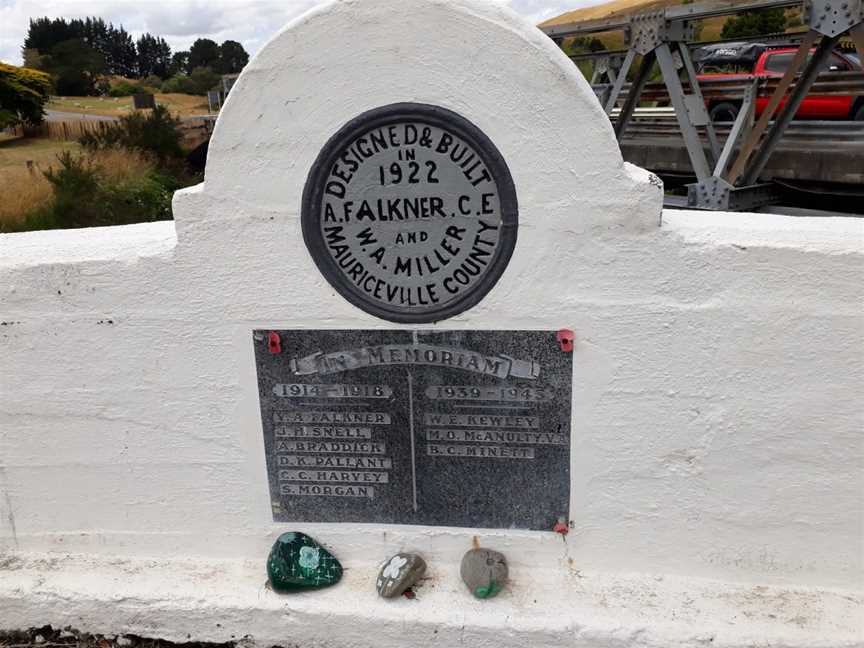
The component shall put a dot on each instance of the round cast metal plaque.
(410, 213)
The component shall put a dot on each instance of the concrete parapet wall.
(716, 424)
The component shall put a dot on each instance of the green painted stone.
(297, 562)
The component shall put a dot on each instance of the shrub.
(23, 95)
(104, 188)
(152, 83)
(199, 82)
(204, 79)
(138, 199)
(123, 89)
(179, 83)
(157, 133)
(75, 186)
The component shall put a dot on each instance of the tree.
(755, 23)
(34, 60)
(23, 95)
(147, 55)
(179, 64)
(113, 44)
(204, 53)
(45, 33)
(75, 67)
(96, 34)
(232, 57)
(154, 56)
(582, 45)
(122, 56)
(163, 58)
(203, 79)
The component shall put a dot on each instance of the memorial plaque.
(410, 213)
(453, 428)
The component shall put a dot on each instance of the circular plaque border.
(434, 116)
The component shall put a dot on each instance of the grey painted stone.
(455, 428)
(484, 572)
(399, 573)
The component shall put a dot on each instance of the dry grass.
(21, 191)
(22, 187)
(607, 10)
(121, 164)
(182, 105)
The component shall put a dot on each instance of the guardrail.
(829, 83)
(811, 154)
(816, 135)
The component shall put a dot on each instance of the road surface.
(57, 115)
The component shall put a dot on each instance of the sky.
(180, 22)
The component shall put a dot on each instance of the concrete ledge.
(118, 243)
(228, 600)
(838, 235)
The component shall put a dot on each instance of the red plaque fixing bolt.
(274, 344)
(561, 527)
(566, 339)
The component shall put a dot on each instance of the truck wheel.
(725, 111)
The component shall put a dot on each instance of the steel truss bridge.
(739, 165)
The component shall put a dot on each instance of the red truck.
(748, 60)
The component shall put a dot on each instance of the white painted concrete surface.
(718, 368)
(549, 607)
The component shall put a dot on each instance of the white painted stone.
(716, 430)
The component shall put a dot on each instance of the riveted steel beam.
(633, 95)
(688, 129)
(619, 82)
(715, 193)
(833, 17)
(743, 122)
(802, 87)
(755, 135)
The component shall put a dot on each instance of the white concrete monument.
(714, 419)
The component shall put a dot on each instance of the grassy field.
(180, 104)
(125, 176)
(608, 9)
(24, 189)
(16, 151)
